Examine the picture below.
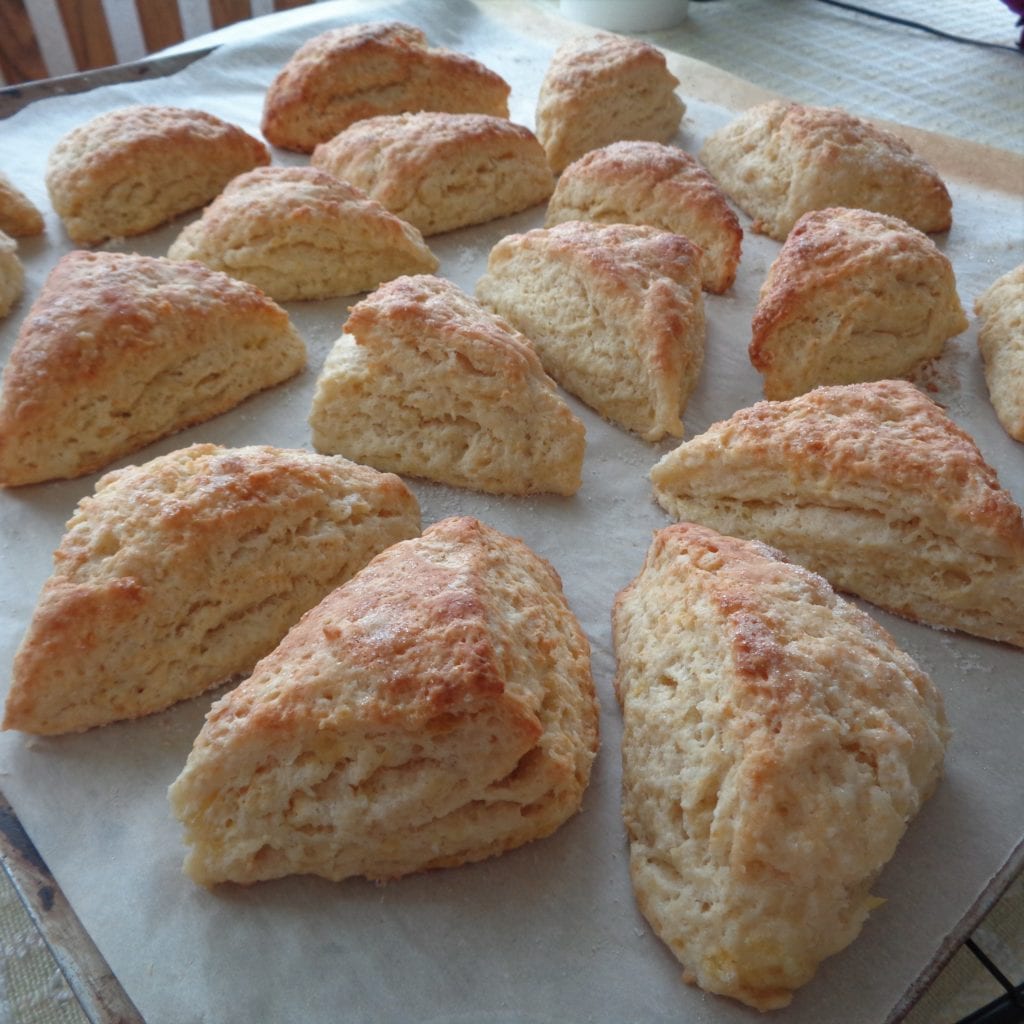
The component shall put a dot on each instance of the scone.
(363, 70)
(852, 296)
(427, 382)
(778, 161)
(130, 170)
(1001, 341)
(18, 215)
(120, 350)
(873, 487)
(12, 274)
(299, 233)
(602, 88)
(438, 709)
(615, 312)
(636, 182)
(441, 171)
(776, 742)
(180, 573)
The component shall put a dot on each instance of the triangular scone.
(12, 274)
(120, 350)
(779, 160)
(18, 214)
(437, 709)
(363, 70)
(1001, 341)
(601, 88)
(615, 312)
(130, 170)
(852, 296)
(181, 573)
(441, 171)
(776, 742)
(874, 487)
(427, 382)
(637, 182)
(299, 233)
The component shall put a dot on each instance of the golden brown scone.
(874, 487)
(183, 572)
(130, 170)
(852, 296)
(601, 88)
(12, 274)
(441, 171)
(637, 182)
(299, 233)
(780, 160)
(615, 312)
(120, 350)
(437, 709)
(427, 382)
(19, 217)
(776, 743)
(1001, 341)
(364, 70)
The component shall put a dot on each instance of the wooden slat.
(227, 12)
(85, 25)
(160, 22)
(20, 56)
(287, 5)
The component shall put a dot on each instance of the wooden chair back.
(88, 33)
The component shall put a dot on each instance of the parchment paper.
(549, 932)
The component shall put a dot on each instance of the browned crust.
(365, 70)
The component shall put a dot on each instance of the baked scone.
(132, 169)
(776, 742)
(180, 573)
(852, 296)
(638, 182)
(615, 312)
(1001, 341)
(19, 217)
(363, 70)
(120, 350)
(12, 274)
(425, 381)
(438, 709)
(873, 487)
(441, 171)
(778, 161)
(601, 88)
(299, 233)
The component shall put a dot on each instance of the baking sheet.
(549, 932)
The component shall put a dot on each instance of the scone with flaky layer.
(776, 742)
(367, 69)
(615, 312)
(18, 214)
(180, 573)
(874, 487)
(437, 709)
(120, 350)
(601, 88)
(778, 161)
(299, 233)
(12, 274)
(636, 182)
(132, 169)
(425, 381)
(1001, 341)
(852, 296)
(441, 171)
